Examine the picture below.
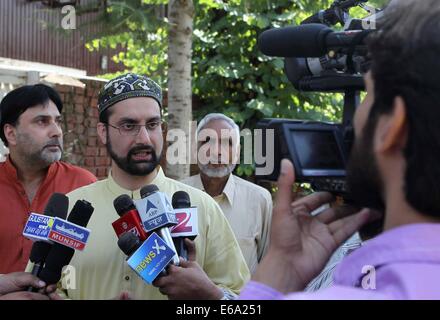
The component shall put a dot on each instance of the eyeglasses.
(131, 129)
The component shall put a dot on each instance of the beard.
(33, 154)
(365, 186)
(135, 167)
(216, 172)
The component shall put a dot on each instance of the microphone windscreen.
(181, 200)
(57, 206)
(59, 256)
(81, 213)
(299, 41)
(123, 204)
(148, 189)
(129, 243)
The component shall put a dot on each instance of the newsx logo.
(151, 258)
(53, 229)
(156, 249)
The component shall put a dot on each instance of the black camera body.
(318, 59)
(319, 152)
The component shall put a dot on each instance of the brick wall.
(81, 143)
(82, 146)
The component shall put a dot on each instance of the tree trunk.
(180, 15)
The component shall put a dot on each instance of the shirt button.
(127, 278)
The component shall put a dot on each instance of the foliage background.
(230, 75)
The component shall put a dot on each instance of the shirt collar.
(117, 190)
(228, 190)
(415, 243)
(11, 170)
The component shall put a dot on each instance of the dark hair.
(105, 115)
(19, 100)
(405, 62)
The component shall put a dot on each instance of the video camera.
(319, 59)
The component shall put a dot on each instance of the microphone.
(308, 40)
(60, 255)
(57, 206)
(149, 258)
(129, 220)
(129, 242)
(157, 215)
(187, 226)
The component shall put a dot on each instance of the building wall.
(81, 143)
(31, 31)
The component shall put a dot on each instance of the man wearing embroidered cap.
(130, 127)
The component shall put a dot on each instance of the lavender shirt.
(402, 263)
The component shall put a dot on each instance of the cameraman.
(394, 167)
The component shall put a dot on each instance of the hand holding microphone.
(13, 286)
(188, 280)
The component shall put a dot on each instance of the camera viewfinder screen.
(317, 150)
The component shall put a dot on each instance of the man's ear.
(392, 129)
(101, 129)
(11, 134)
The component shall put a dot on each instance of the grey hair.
(219, 116)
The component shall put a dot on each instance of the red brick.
(79, 129)
(103, 151)
(79, 90)
(101, 161)
(91, 151)
(68, 137)
(91, 132)
(89, 161)
(101, 172)
(94, 102)
(79, 99)
(92, 170)
(91, 112)
(91, 142)
(79, 118)
(92, 122)
(63, 89)
(71, 119)
(79, 108)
